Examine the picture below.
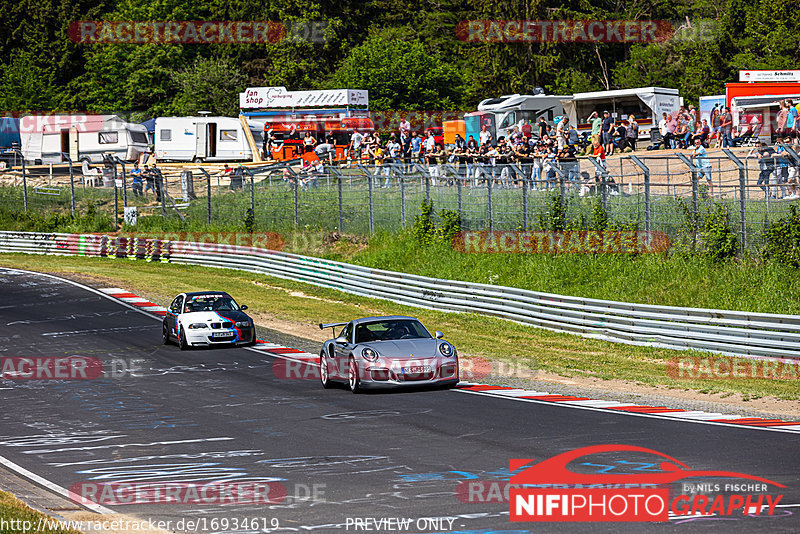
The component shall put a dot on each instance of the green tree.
(208, 84)
(25, 85)
(399, 73)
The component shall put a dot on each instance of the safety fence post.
(646, 173)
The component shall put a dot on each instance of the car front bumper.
(226, 336)
(387, 377)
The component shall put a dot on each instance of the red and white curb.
(527, 395)
(134, 300)
(288, 352)
(630, 408)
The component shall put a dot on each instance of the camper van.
(515, 110)
(46, 138)
(203, 139)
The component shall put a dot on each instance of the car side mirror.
(243, 307)
(438, 335)
(341, 340)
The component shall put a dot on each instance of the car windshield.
(210, 303)
(390, 329)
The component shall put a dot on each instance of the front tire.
(164, 334)
(182, 340)
(324, 375)
(352, 376)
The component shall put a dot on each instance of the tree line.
(410, 56)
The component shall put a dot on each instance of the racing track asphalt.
(223, 413)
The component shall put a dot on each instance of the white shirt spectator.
(662, 126)
(393, 148)
(430, 143)
(356, 139)
(484, 137)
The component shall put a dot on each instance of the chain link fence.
(639, 191)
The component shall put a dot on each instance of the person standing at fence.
(727, 128)
(791, 175)
(149, 180)
(596, 122)
(716, 127)
(237, 178)
(405, 149)
(791, 119)
(542, 127)
(632, 132)
(471, 154)
(308, 143)
(599, 153)
(432, 160)
(485, 136)
(703, 164)
(354, 148)
(781, 174)
(607, 133)
(561, 131)
(766, 165)
(393, 150)
(136, 178)
(416, 148)
(569, 162)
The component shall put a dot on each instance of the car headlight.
(242, 324)
(369, 354)
(446, 349)
(198, 325)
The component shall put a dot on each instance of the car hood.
(405, 348)
(210, 316)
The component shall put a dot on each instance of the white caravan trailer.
(45, 138)
(515, 110)
(646, 103)
(202, 139)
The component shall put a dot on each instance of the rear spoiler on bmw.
(323, 326)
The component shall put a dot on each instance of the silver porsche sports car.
(387, 352)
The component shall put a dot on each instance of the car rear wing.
(323, 326)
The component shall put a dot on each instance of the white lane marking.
(51, 486)
(123, 445)
(598, 403)
(520, 393)
(112, 290)
(91, 331)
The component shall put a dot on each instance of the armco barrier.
(725, 332)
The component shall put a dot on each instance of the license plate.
(417, 370)
(222, 334)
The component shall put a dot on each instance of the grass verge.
(663, 279)
(20, 519)
(491, 338)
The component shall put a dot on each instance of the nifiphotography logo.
(549, 491)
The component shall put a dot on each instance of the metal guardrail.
(726, 332)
